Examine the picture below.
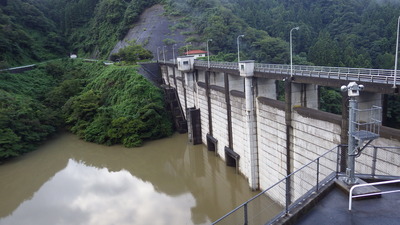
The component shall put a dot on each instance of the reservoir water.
(70, 181)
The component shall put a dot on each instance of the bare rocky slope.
(152, 28)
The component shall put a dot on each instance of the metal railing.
(382, 76)
(371, 194)
(378, 160)
(220, 65)
(308, 179)
(341, 73)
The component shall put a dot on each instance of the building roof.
(195, 52)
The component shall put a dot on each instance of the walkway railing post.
(373, 169)
(246, 218)
(337, 162)
(288, 196)
(317, 174)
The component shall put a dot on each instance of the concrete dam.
(233, 109)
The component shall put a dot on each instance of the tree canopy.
(106, 105)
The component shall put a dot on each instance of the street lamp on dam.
(291, 51)
(163, 52)
(238, 44)
(208, 54)
(173, 52)
(397, 53)
(187, 47)
(158, 54)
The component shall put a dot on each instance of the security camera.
(353, 89)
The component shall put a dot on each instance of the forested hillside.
(353, 33)
(27, 34)
(37, 30)
(94, 26)
(105, 105)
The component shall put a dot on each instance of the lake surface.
(168, 181)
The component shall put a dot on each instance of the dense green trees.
(93, 27)
(348, 33)
(25, 120)
(118, 106)
(26, 34)
(132, 53)
(32, 30)
(106, 105)
(362, 33)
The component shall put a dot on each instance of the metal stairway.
(172, 99)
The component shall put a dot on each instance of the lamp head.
(296, 28)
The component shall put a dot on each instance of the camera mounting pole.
(353, 90)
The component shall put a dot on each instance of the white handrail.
(359, 74)
(371, 194)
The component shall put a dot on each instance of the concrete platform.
(333, 209)
(359, 190)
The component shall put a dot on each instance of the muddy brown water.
(70, 181)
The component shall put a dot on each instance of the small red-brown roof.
(195, 52)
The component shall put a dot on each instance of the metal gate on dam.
(233, 109)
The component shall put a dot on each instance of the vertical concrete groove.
(184, 90)
(228, 110)
(210, 125)
(289, 130)
(174, 75)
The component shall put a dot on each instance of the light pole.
(187, 47)
(208, 53)
(291, 51)
(397, 53)
(238, 46)
(173, 52)
(163, 52)
(158, 54)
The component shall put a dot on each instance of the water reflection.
(80, 194)
(69, 181)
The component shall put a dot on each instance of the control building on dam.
(233, 109)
